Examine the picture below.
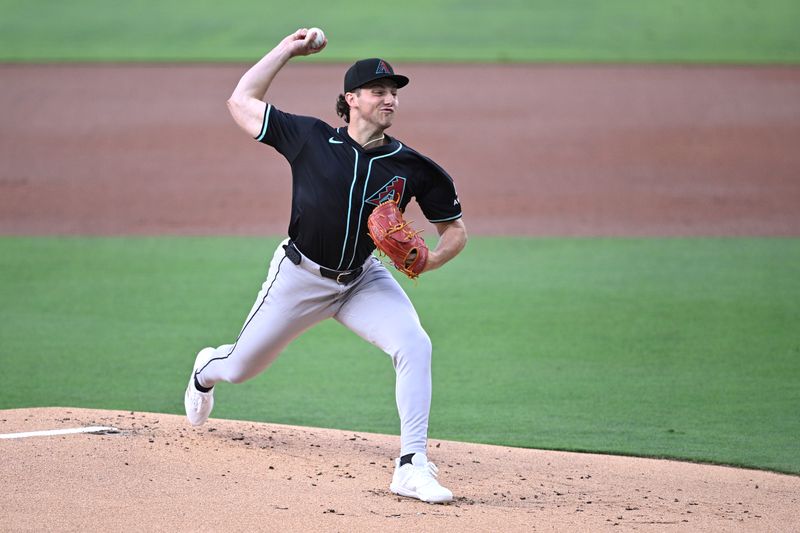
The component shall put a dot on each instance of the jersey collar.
(378, 150)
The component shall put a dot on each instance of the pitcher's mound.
(158, 473)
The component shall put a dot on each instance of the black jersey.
(336, 184)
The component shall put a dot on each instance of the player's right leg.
(198, 400)
(290, 301)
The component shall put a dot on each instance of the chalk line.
(53, 432)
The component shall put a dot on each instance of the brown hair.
(343, 108)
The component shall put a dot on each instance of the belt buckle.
(339, 277)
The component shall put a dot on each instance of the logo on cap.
(383, 68)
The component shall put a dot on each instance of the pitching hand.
(300, 43)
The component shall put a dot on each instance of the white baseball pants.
(295, 297)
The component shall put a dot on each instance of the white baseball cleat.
(418, 480)
(198, 404)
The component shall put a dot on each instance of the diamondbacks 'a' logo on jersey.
(382, 68)
(391, 191)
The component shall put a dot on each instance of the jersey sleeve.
(285, 132)
(438, 198)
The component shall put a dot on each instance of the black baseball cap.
(367, 70)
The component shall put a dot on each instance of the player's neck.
(366, 135)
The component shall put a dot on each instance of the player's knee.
(416, 349)
(424, 344)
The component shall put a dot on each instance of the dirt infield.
(534, 150)
(159, 474)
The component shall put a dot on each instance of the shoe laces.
(198, 399)
(428, 471)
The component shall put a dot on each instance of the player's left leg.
(378, 310)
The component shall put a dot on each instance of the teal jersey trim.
(349, 207)
(364, 199)
(266, 123)
(446, 219)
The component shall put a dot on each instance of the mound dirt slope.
(160, 474)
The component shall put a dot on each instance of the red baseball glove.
(394, 237)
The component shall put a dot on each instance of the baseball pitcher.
(350, 186)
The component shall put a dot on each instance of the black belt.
(342, 277)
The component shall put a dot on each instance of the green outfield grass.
(722, 31)
(683, 348)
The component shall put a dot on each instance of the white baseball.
(319, 37)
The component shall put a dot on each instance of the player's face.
(377, 102)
